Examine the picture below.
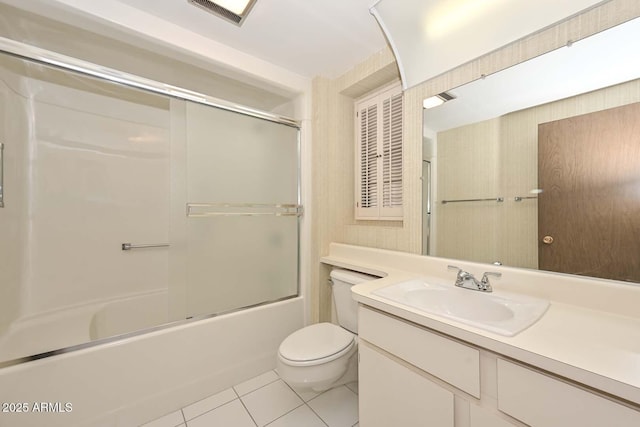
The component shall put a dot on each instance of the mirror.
(538, 166)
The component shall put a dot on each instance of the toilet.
(324, 355)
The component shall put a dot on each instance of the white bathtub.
(129, 314)
(127, 382)
(54, 330)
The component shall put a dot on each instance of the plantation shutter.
(392, 156)
(369, 157)
(379, 126)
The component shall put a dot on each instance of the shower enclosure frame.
(66, 63)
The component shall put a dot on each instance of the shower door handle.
(1, 175)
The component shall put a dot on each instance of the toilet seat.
(316, 344)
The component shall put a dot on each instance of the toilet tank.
(346, 306)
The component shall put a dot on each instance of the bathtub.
(129, 314)
(129, 381)
(54, 330)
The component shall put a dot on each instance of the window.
(379, 155)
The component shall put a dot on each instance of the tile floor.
(266, 400)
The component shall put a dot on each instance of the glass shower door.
(125, 207)
(242, 211)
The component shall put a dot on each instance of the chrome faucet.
(466, 280)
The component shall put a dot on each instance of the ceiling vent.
(231, 10)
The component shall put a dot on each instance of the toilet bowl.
(324, 355)
(317, 356)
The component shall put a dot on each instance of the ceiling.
(308, 37)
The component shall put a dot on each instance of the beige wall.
(333, 168)
(333, 162)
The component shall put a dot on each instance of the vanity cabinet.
(481, 417)
(393, 394)
(446, 359)
(413, 376)
(541, 400)
(410, 376)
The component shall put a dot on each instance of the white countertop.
(587, 335)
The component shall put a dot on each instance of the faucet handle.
(484, 283)
(453, 267)
(463, 276)
(485, 276)
(461, 272)
(458, 269)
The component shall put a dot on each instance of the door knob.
(547, 240)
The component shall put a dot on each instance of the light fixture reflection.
(433, 101)
(437, 100)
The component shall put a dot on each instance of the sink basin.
(499, 312)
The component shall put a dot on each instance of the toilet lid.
(318, 341)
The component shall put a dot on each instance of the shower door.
(127, 207)
(240, 213)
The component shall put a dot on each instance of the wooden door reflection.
(589, 208)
